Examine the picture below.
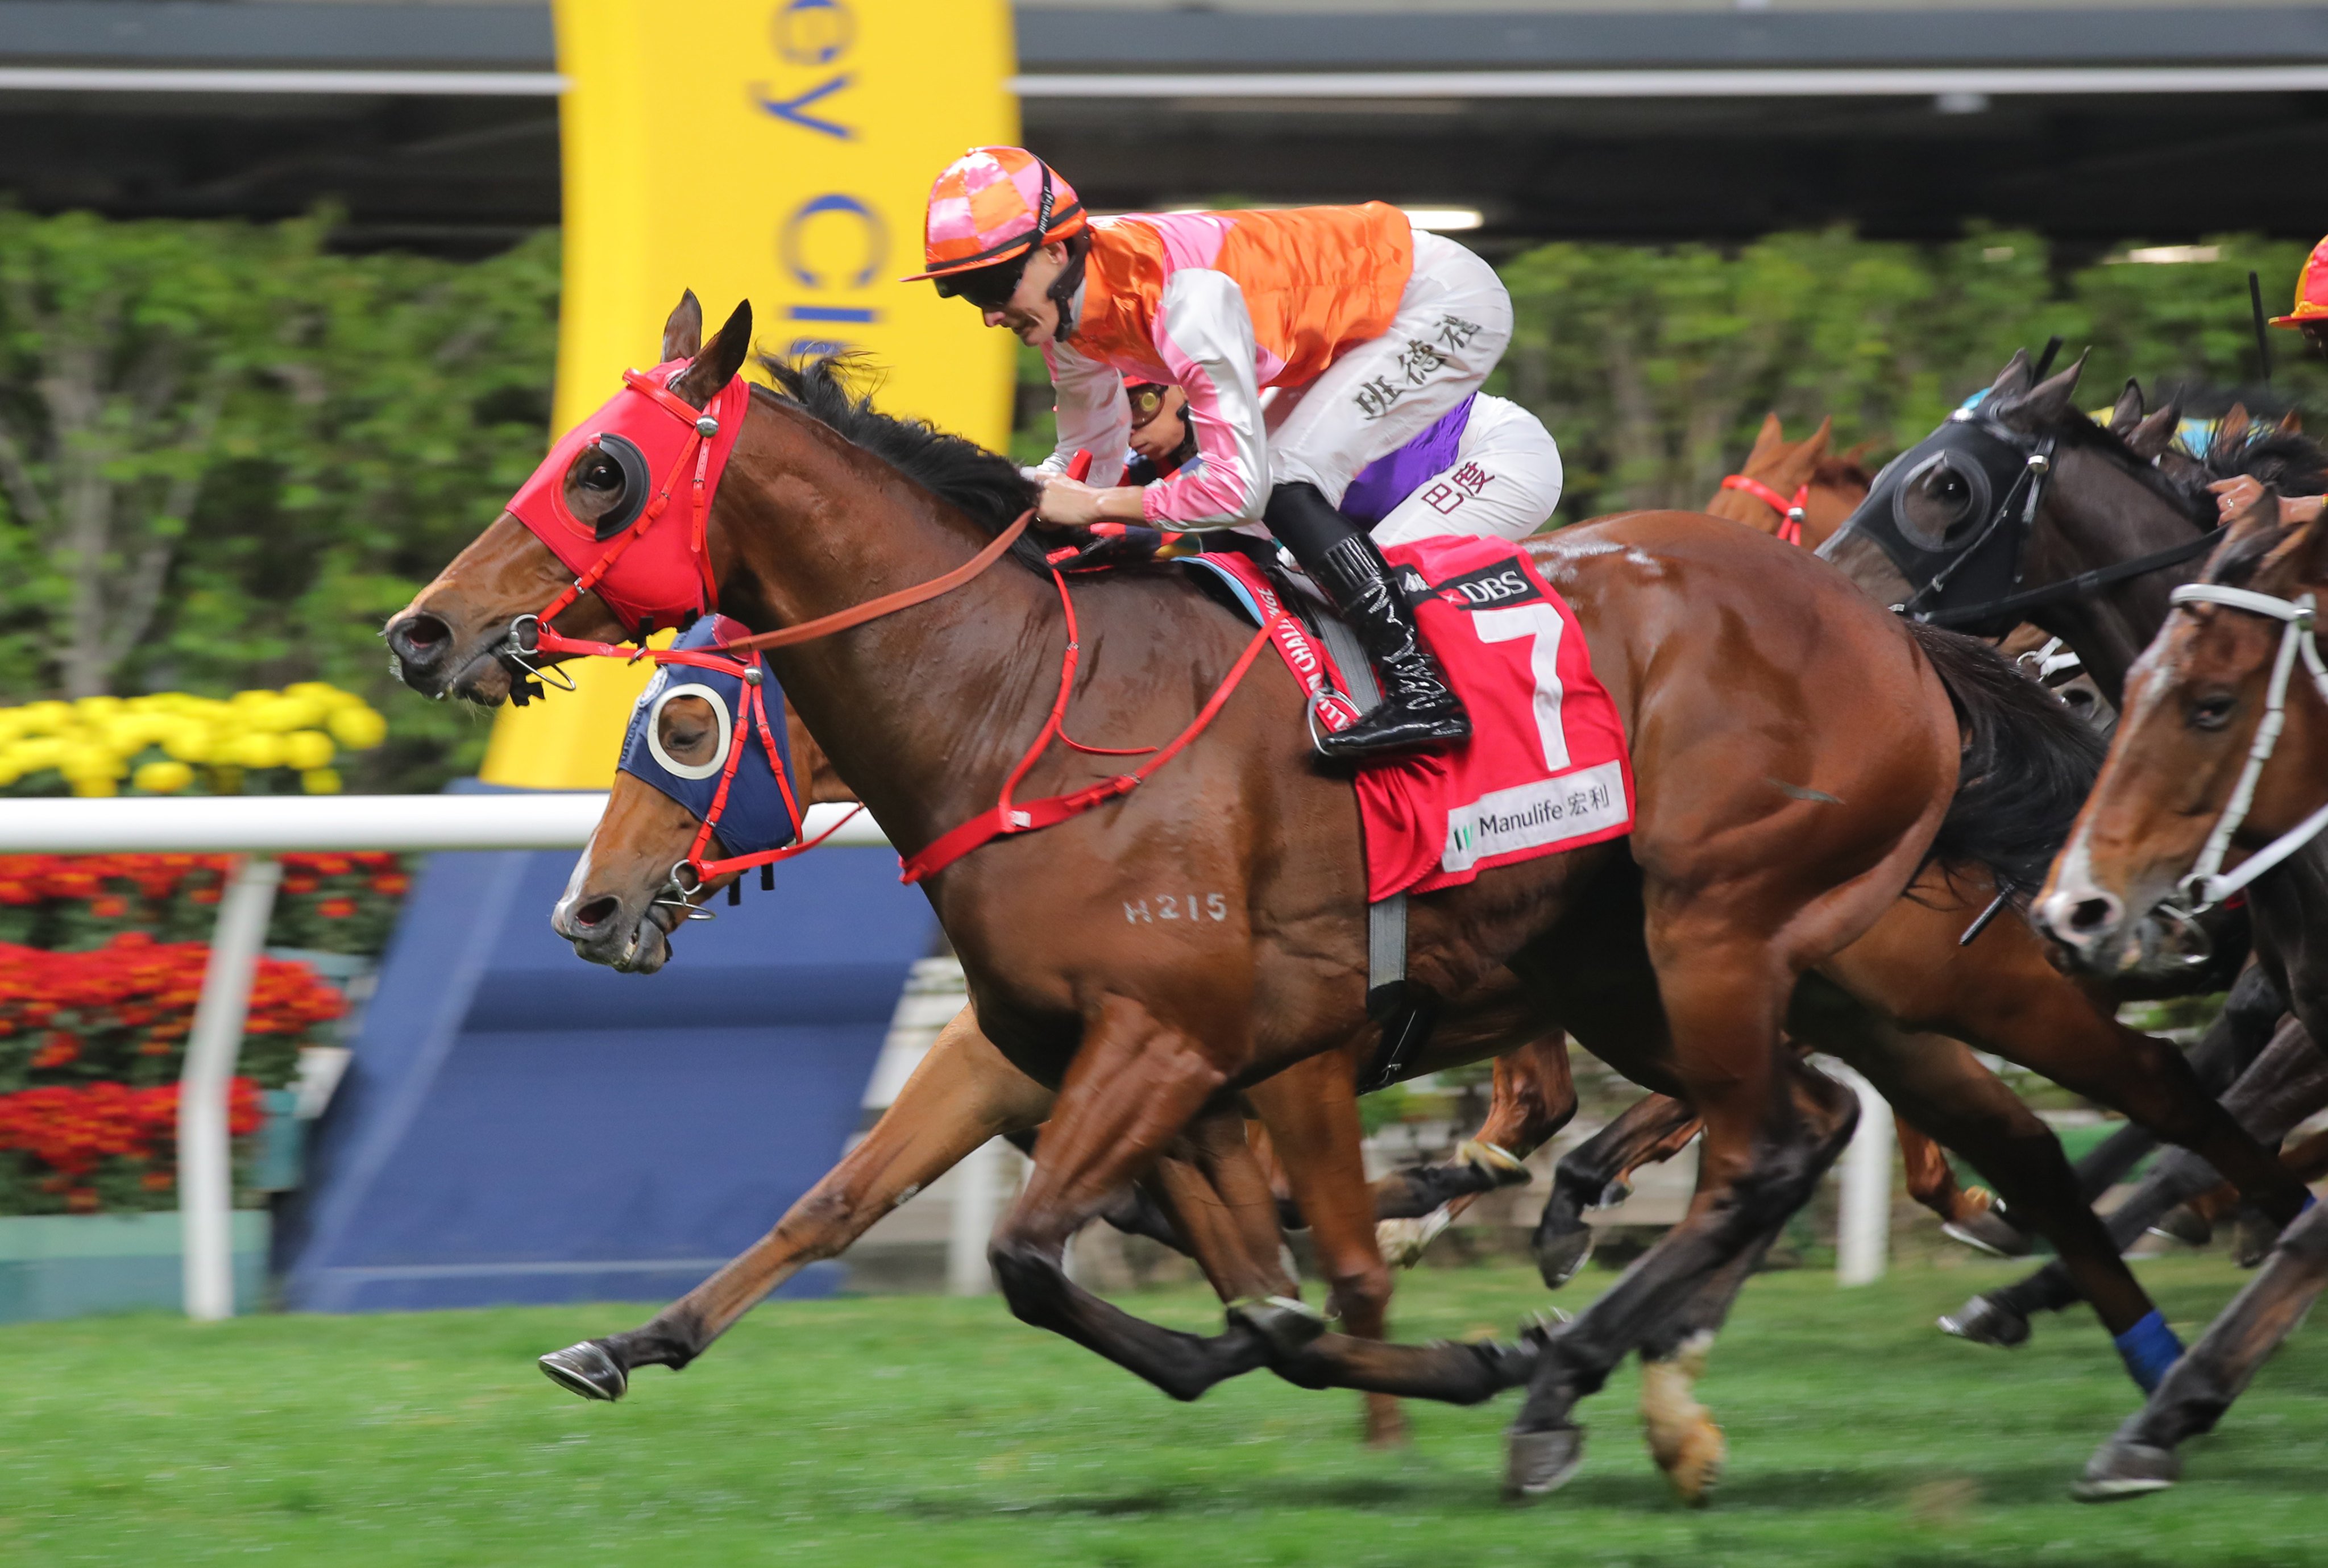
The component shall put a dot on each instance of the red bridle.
(666, 580)
(1790, 512)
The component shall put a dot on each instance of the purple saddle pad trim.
(1386, 482)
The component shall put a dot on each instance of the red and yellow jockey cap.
(990, 204)
(2311, 290)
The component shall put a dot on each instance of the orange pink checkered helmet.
(991, 204)
(2311, 291)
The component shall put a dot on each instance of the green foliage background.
(300, 437)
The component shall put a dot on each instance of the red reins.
(1006, 817)
(1790, 512)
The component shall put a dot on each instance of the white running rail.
(260, 827)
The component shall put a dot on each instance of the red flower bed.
(339, 902)
(128, 1135)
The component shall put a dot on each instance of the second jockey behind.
(1375, 337)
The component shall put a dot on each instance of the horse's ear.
(1768, 439)
(2128, 412)
(716, 364)
(2292, 422)
(2014, 380)
(683, 333)
(2050, 400)
(2232, 433)
(2154, 433)
(1857, 455)
(1815, 447)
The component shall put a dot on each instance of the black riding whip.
(2262, 341)
(2045, 360)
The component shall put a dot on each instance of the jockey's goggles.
(1147, 399)
(987, 287)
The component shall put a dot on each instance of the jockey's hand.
(1071, 504)
(2235, 495)
(1067, 502)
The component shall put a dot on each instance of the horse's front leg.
(1593, 1174)
(1772, 1127)
(962, 1093)
(1135, 1085)
(2141, 1457)
(1534, 1096)
(1312, 1112)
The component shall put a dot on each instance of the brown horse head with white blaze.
(2220, 753)
(472, 632)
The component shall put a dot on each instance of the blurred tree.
(227, 454)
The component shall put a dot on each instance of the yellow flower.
(84, 761)
(34, 755)
(256, 748)
(162, 778)
(187, 739)
(320, 781)
(95, 787)
(357, 726)
(307, 749)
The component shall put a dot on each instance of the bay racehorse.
(2216, 783)
(1783, 808)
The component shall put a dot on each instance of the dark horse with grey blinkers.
(1783, 807)
(2024, 509)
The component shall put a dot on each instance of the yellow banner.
(778, 151)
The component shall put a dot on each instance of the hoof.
(2126, 1469)
(1291, 1327)
(587, 1370)
(1693, 1463)
(1984, 1322)
(1537, 1462)
(2252, 1238)
(1402, 1242)
(1989, 1232)
(2185, 1224)
(1563, 1258)
(1500, 1164)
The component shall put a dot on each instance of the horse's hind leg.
(1594, 1173)
(962, 1093)
(1534, 1096)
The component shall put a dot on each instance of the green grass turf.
(911, 1432)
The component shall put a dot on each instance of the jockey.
(2309, 316)
(1375, 338)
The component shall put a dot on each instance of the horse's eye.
(1948, 485)
(686, 731)
(602, 475)
(2211, 712)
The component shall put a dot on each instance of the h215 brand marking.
(1176, 906)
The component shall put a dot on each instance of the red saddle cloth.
(1546, 767)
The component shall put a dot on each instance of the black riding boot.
(1418, 710)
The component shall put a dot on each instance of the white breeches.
(1453, 325)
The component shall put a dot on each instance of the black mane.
(985, 486)
(2289, 462)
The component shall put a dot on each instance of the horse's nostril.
(596, 911)
(419, 639)
(2093, 913)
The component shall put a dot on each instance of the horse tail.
(2028, 763)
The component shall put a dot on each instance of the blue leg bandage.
(2149, 1348)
